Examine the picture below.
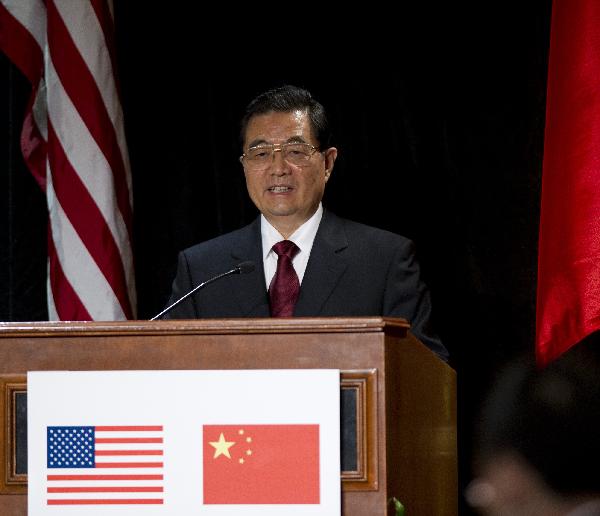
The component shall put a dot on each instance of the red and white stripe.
(74, 144)
(129, 470)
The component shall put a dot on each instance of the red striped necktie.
(285, 286)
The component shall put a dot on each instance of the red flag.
(261, 464)
(568, 294)
(73, 142)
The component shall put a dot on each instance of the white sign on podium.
(252, 442)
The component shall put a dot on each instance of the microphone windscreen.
(245, 267)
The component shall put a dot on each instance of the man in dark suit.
(341, 268)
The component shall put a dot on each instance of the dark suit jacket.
(353, 270)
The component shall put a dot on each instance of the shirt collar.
(303, 237)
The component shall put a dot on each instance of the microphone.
(241, 268)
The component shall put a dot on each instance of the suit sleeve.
(407, 296)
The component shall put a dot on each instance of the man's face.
(286, 194)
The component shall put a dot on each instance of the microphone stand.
(242, 268)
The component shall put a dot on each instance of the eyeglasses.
(261, 156)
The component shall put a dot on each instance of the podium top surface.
(209, 326)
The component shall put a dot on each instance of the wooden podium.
(398, 399)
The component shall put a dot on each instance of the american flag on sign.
(104, 465)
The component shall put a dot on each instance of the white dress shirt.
(303, 237)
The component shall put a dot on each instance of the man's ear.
(330, 157)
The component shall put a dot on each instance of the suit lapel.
(250, 290)
(325, 266)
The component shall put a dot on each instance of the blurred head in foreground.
(538, 438)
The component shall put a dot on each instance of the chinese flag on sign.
(261, 464)
(568, 293)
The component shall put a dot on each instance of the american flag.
(73, 142)
(104, 465)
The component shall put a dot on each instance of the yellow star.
(221, 446)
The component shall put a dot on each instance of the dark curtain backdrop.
(438, 117)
